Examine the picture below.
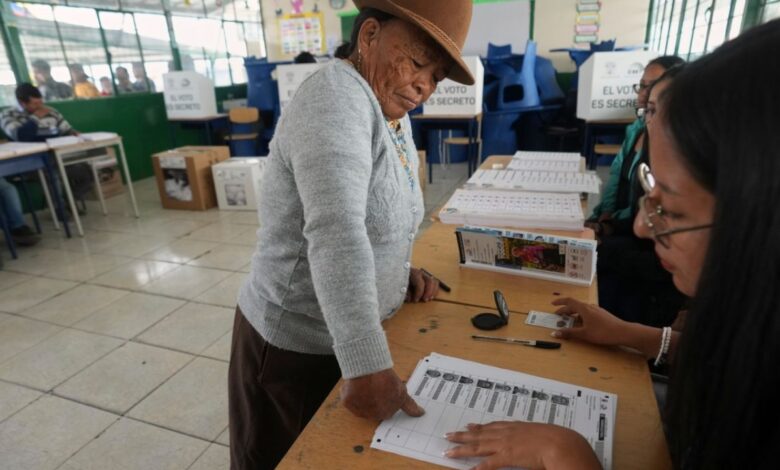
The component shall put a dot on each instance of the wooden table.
(336, 439)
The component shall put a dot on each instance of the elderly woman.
(341, 207)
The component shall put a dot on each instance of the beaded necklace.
(399, 140)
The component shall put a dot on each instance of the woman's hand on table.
(526, 445)
(422, 287)
(378, 396)
(596, 325)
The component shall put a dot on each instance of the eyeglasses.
(642, 86)
(654, 216)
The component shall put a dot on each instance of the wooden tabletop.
(444, 117)
(335, 439)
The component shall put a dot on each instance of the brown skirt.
(272, 394)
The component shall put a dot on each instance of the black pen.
(525, 342)
(443, 286)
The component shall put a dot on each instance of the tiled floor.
(114, 347)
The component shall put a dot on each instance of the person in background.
(51, 89)
(305, 58)
(632, 283)
(142, 82)
(123, 83)
(82, 87)
(32, 120)
(340, 211)
(341, 52)
(105, 87)
(711, 210)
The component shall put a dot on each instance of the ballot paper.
(455, 392)
(547, 161)
(535, 180)
(548, 320)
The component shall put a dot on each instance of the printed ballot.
(456, 392)
(548, 320)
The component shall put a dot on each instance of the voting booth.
(289, 77)
(188, 95)
(237, 182)
(606, 80)
(452, 98)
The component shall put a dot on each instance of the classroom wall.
(624, 20)
(332, 23)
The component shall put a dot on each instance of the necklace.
(399, 140)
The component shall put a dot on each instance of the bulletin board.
(304, 32)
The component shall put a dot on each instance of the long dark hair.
(345, 50)
(722, 114)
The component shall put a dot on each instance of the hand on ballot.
(378, 396)
(422, 287)
(526, 445)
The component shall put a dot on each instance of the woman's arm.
(601, 327)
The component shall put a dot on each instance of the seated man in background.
(82, 87)
(52, 89)
(32, 121)
(123, 83)
(142, 82)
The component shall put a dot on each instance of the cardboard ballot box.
(606, 80)
(184, 176)
(452, 98)
(237, 182)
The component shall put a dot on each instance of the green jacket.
(609, 194)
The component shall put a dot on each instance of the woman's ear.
(369, 32)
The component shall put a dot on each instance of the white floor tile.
(218, 232)
(121, 379)
(74, 305)
(18, 334)
(185, 282)
(14, 397)
(132, 445)
(44, 434)
(56, 358)
(221, 348)
(130, 315)
(180, 251)
(86, 267)
(31, 292)
(8, 279)
(216, 457)
(193, 401)
(192, 328)
(135, 274)
(229, 257)
(225, 293)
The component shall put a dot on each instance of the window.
(691, 28)
(770, 11)
(70, 45)
(7, 79)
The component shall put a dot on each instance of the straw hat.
(446, 21)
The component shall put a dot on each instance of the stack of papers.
(515, 209)
(64, 141)
(547, 161)
(455, 392)
(534, 180)
(94, 136)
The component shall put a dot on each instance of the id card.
(548, 320)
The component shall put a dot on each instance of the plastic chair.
(499, 52)
(498, 133)
(517, 92)
(547, 83)
(244, 130)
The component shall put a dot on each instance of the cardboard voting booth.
(184, 176)
(451, 98)
(289, 77)
(237, 182)
(606, 80)
(188, 95)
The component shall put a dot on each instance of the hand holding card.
(548, 320)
